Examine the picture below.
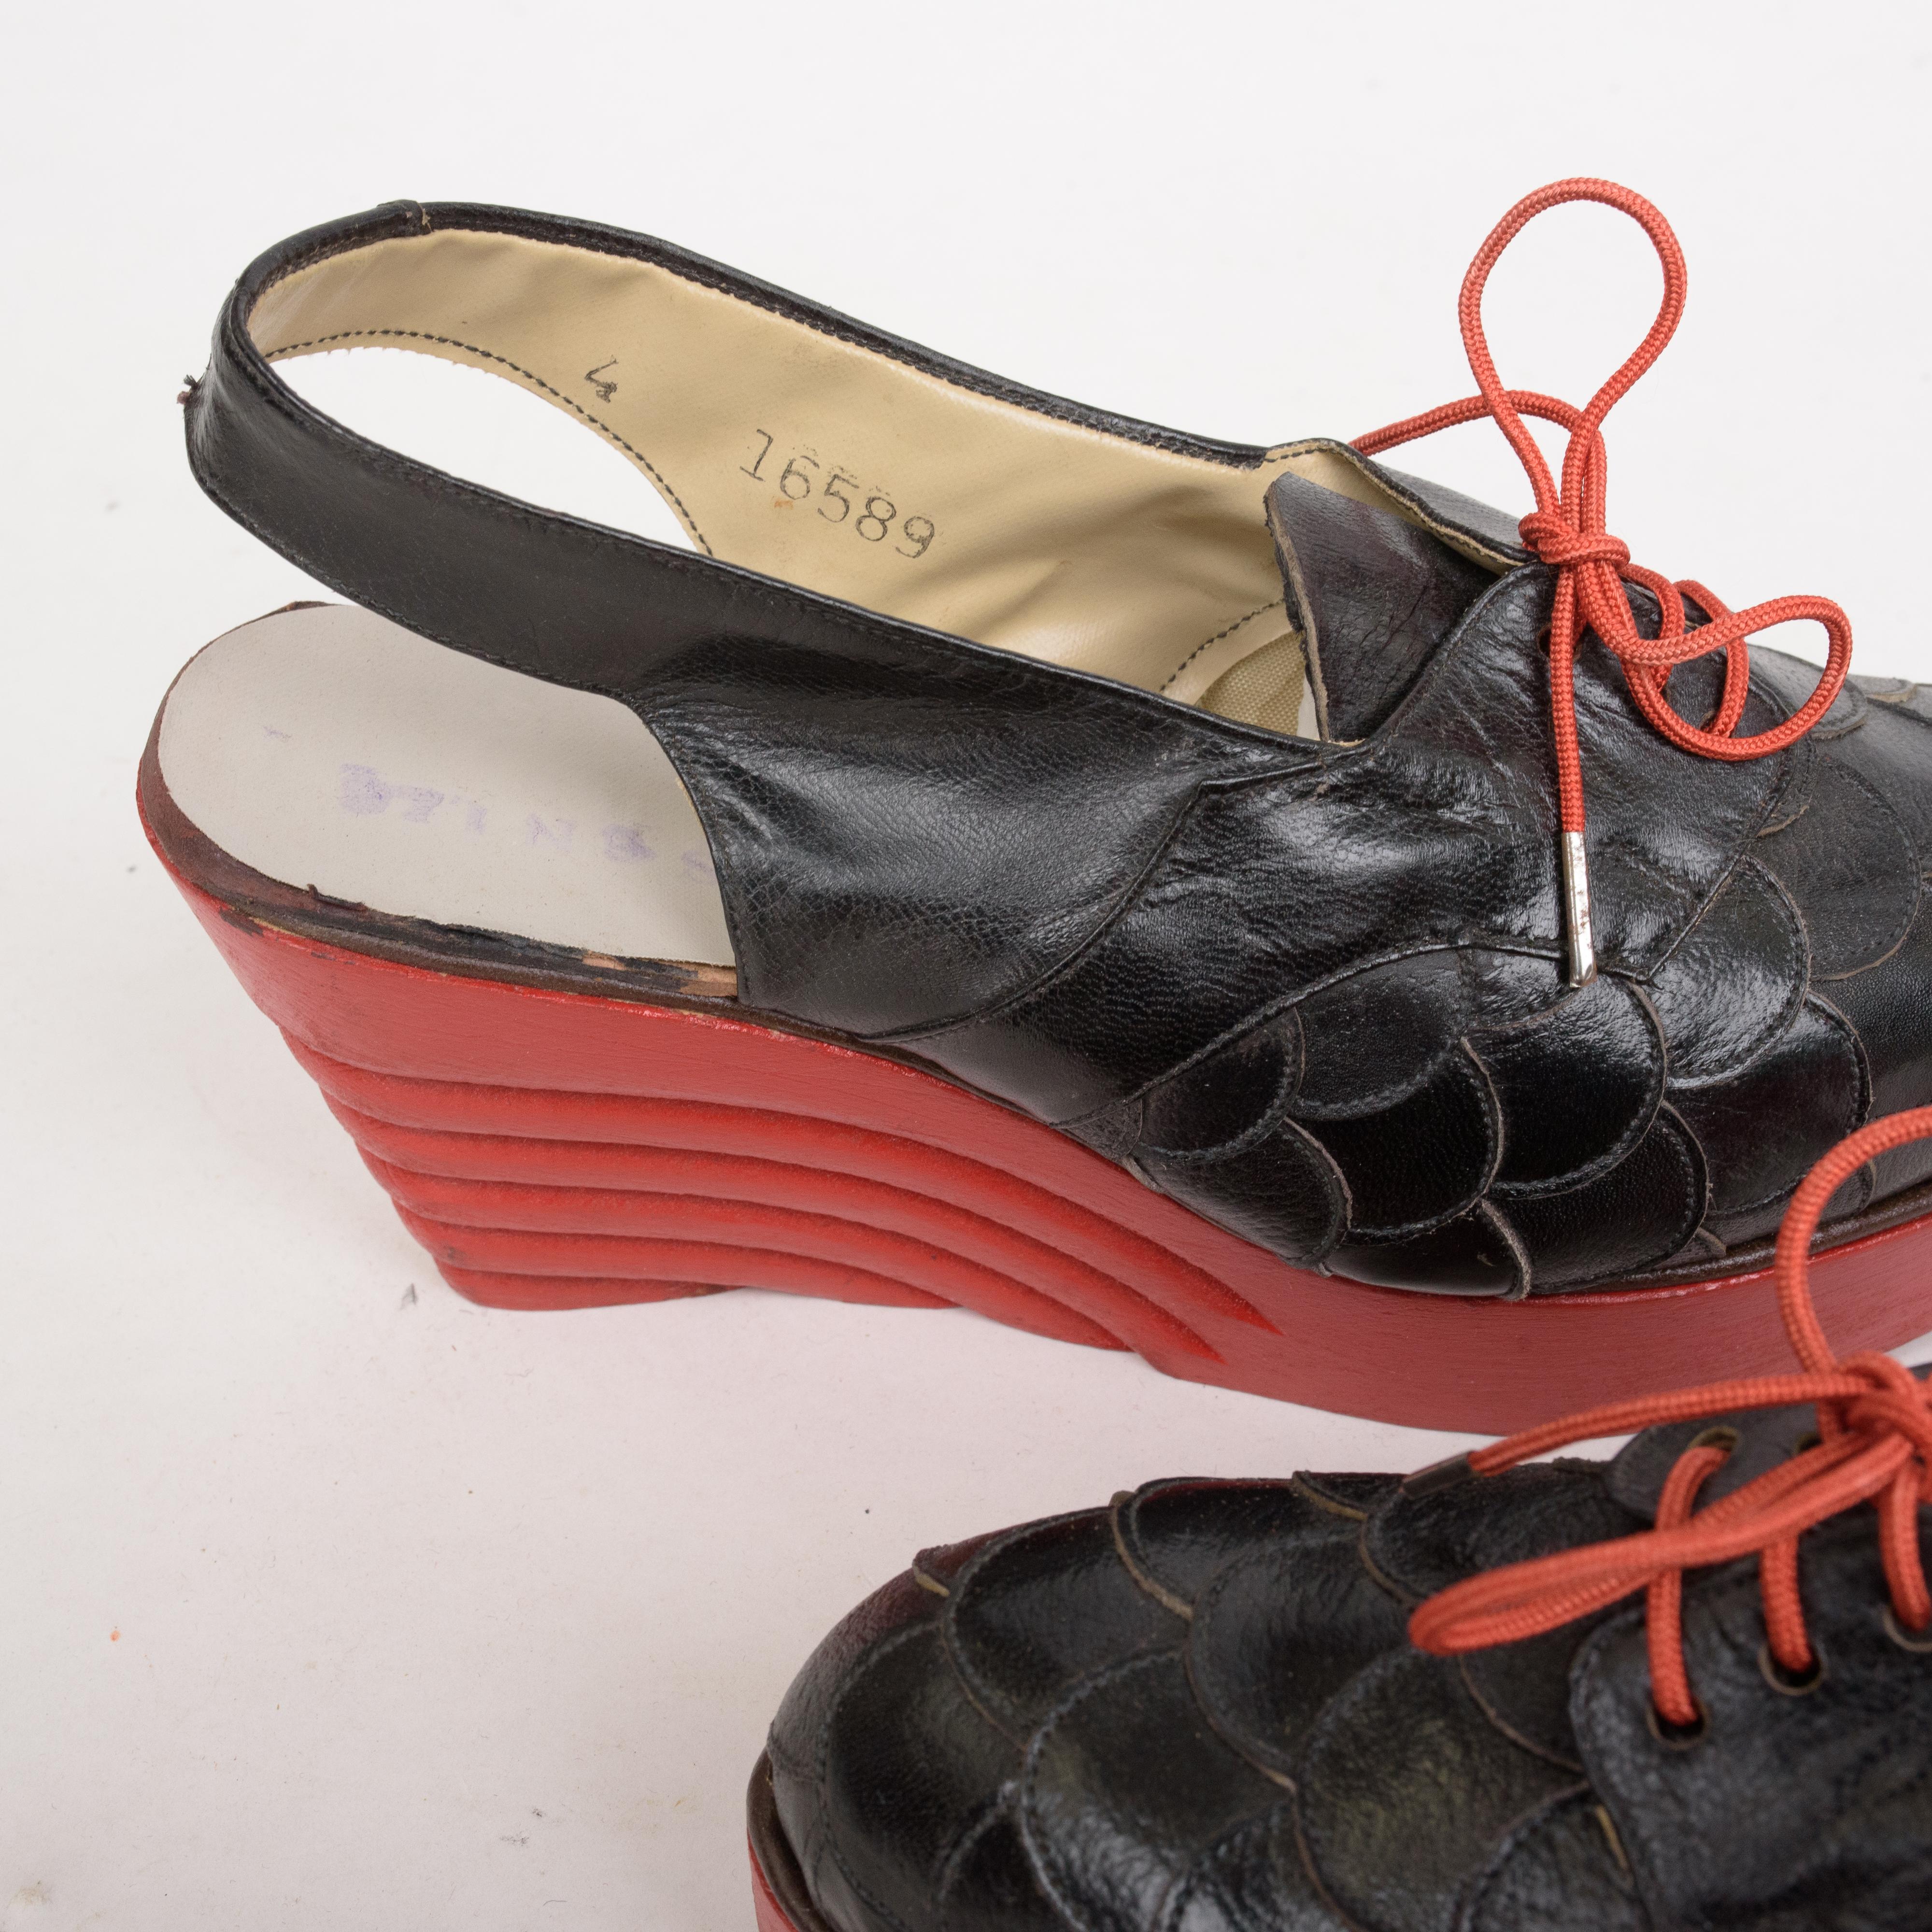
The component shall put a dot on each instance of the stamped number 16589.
(871, 518)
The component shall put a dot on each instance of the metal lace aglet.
(1443, 1475)
(1581, 948)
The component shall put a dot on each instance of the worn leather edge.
(777, 1861)
(397, 219)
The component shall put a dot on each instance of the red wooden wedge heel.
(555, 1149)
(1134, 887)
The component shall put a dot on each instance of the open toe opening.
(331, 751)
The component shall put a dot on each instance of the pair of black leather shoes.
(1249, 905)
(1354, 1701)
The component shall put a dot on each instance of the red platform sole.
(560, 1150)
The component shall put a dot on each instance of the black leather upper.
(1312, 990)
(1198, 1711)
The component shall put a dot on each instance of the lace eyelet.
(1722, 1436)
(1677, 1737)
(1782, 1681)
(1919, 1641)
(1806, 1443)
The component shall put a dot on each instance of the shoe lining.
(809, 458)
(328, 749)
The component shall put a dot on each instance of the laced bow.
(1874, 1444)
(1567, 531)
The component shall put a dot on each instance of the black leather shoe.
(1135, 886)
(1217, 1707)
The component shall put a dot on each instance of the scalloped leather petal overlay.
(1889, 1006)
(1798, 765)
(1636, 1217)
(1100, 1847)
(1851, 868)
(1177, 1533)
(906, 1758)
(1373, 1038)
(1041, 1606)
(1113, 1131)
(1903, 1167)
(1405, 1793)
(1472, 1255)
(1227, 1095)
(1762, 1130)
(1893, 753)
(1735, 981)
(1503, 987)
(988, 1879)
(1336, 860)
(895, 1764)
(1418, 1545)
(1278, 1631)
(1421, 1544)
(802, 1717)
(1577, 1085)
(1523, 1689)
(1791, 683)
(1284, 1192)
(1913, 700)
(1422, 1161)
(1557, 1871)
(1653, 865)
(1422, 1794)
(1253, 1880)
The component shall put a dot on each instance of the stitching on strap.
(1280, 603)
(630, 449)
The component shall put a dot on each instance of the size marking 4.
(605, 389)
(875, 514)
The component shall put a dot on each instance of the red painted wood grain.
(556, 1149)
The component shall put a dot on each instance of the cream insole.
(327, 747)
(795, 453)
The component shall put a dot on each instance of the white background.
(323, 1607)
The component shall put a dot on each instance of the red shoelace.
(1874, 1444)
(1567, 531)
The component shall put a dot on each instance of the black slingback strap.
(779, 707)
(542, 592)
(907, 826)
